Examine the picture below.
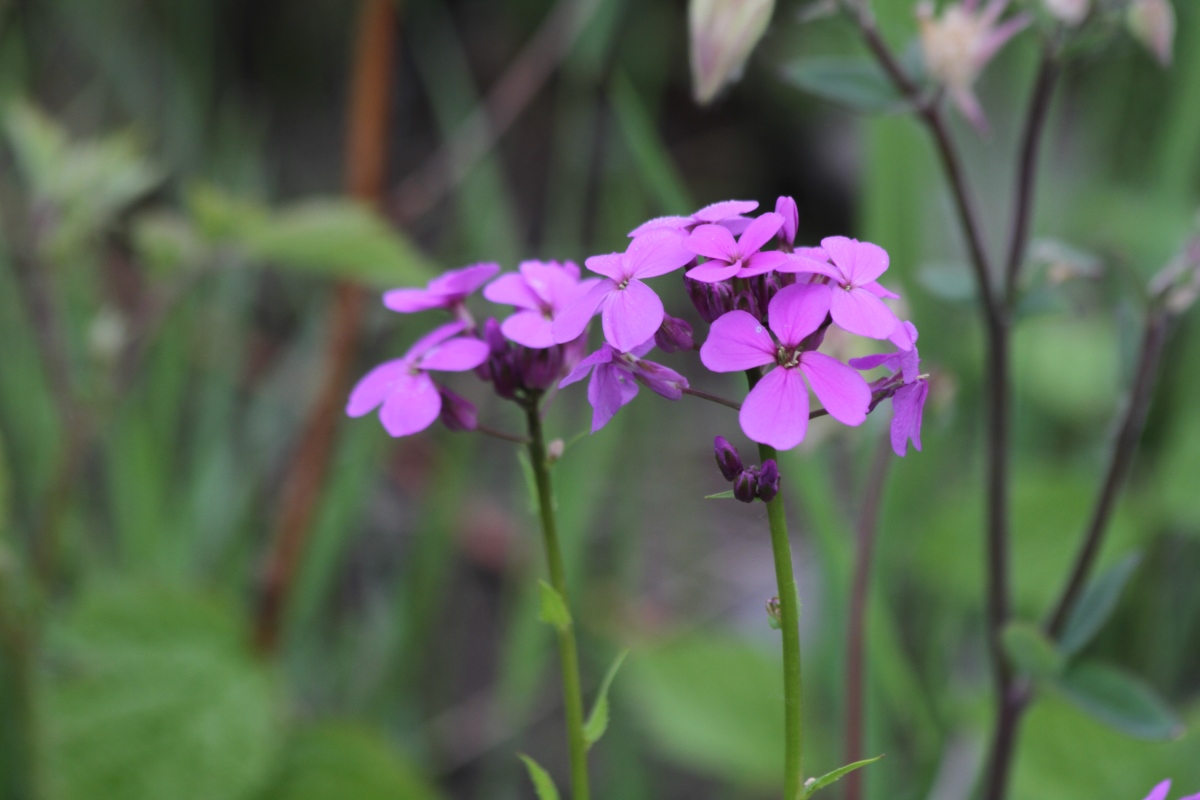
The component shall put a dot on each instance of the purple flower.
(742, 258)
(446, 291)
(786, 208)
(409, 398)
(630, 311)
(514, 369)
(727, 212)
(776, 410)
(613, 375)
(858, 307)
(1161, 791)
(908, 394)
(540, 291)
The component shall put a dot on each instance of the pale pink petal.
(657, 253)
(968, 105)
(375, 386)
(672, 223)
(737, 341)
(631, 316)
(610, 388)
(573, 320)
(999, 36)
(611, 266)
(841, 390)
(724, 209)
(761, 231)
(465, 280)
(512, 290)
(714, 271)
(860, 262)
(529, 328)
(907, 405)
(713, 241)
(761, 263)
(433, 338)
(410, 301)
(859, 311)
(412, 406)
(602, 356)
(456, 355)
(880, 291)
(797, 311)
(776, 410)
(1160, 792)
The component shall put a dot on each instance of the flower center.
(787, 357)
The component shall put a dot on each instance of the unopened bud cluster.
(749, 483)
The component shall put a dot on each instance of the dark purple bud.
(673, 335)
(458, 413)
(539, 369)
(728, 458)
(786, 208)
(768, 480)
(745, 487)
(711, 300)
(494, 338)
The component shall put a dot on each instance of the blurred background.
(215, 587)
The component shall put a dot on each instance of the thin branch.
(714, 398)
(498, 434)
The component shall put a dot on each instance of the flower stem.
(567, 652)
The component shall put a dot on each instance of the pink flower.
(735, 259)
(1161, 791)
(858, 307)
(630, 311)
(727, 212)
(540, 291)
(446, 291)
(776, 410)
(908, 394)
(613, 374)
(409, 398)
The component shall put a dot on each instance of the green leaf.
(855, 83)
(1032, 651)
(653, 159)
(339, 239)
(725, 495)
(1097, 604)
(337, 760)
(1120, 700)
(597, 721)
(543, 784)
(554, 608)
(813, 784)
(156, 695)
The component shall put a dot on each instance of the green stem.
(568, 654)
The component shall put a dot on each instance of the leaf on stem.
(1097, 604)
(813, 784)
(554, 609)
(725, 495)
(1032, 651)
(543, 784)
(597, 721)
(854, 83)
(1120, 700)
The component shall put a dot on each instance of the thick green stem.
(789, 625)
(568, 654)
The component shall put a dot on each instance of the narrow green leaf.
(1097, 604)
(597, 721)
(543, 784)
(854, 83)
(1032, 651)
(727, 494)
(813, 784)
(554, 608)
(1120, 700)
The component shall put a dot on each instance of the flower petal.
(907, 404)
(725, 209)
(776, 410)
(859, 311)
(410, 301)
(798, 310)
(860, 262)
(805, 264)
(761, 263)
(573, 320)
(529, 328)
(602, 356)
(465, 280)
(631, 316)
(433, 339)
(657, 253)
(713, 241)
(880, 291)
(671, 223)
(551, 283)
(456, 355)
(610, 388)
(737, 341)
(714, 271)
(759, 233)
(412, 406)
(611, 266)
(374, 387)
(841, 390)
(1160, 792)
(888, 360)
(512, 289)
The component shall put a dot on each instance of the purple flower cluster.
(749, 483)
(768, 307)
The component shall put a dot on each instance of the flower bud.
(673, 335)
(458, 413)
(728, 459)
(723, 33)
(774, 613)
(555, 450)
(768, 480)
(539, 368)
(745, 487)
(1152, 22)
(786, 208)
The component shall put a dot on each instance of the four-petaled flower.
(630, 310)
(409, 398)
(728, 213)
(908, 400)
(742, 258)
(541, 290)
(776, 410)
(447, 291)
(613, 380)
(856, 304)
